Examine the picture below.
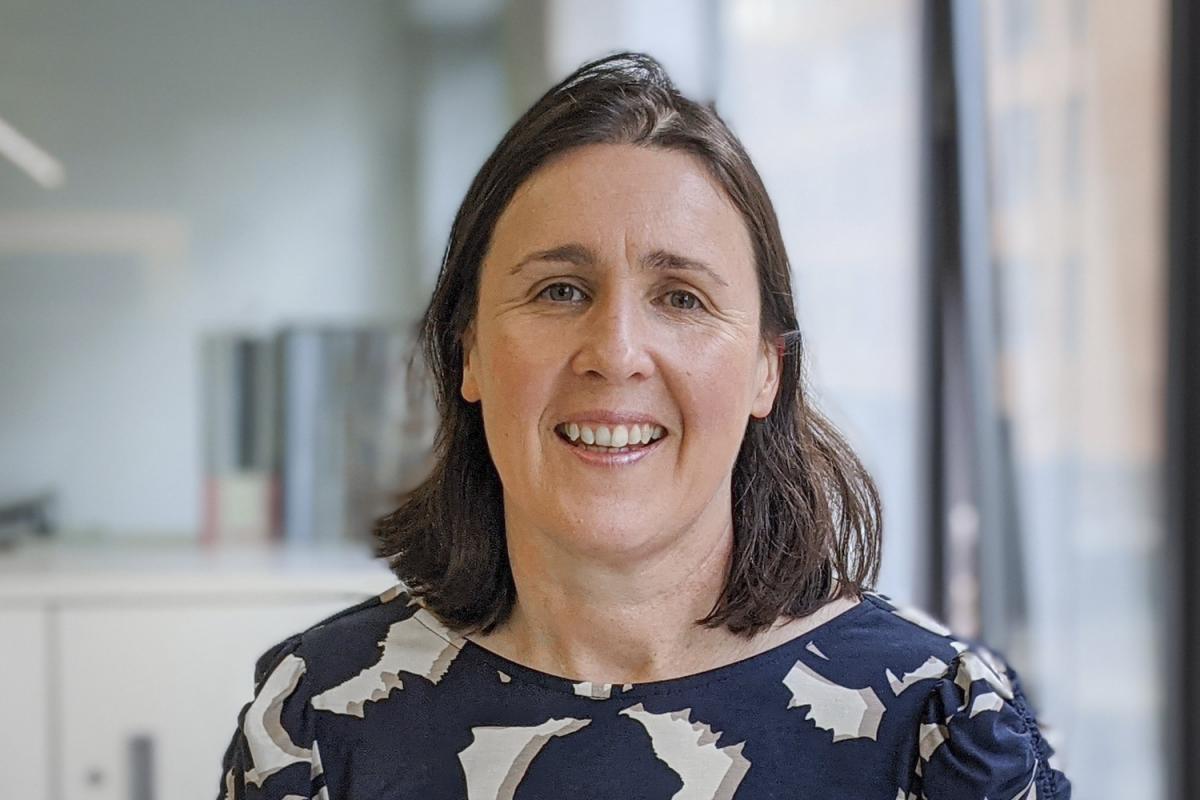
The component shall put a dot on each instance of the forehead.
(614, 197)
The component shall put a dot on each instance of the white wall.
(229, 164)
(681, 34)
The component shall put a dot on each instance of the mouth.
(610, 439)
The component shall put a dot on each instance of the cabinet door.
(24, 704)
(150, 695)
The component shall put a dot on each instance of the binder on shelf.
(241, 488)
(345, 444)
(310, 433)
(315, 376)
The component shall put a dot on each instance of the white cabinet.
(150, 696)
(24, 710)
(123, 681)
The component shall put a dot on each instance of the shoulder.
(338, 664)
(878, 637)
(355, 656)
(975, 733)
(361, 617)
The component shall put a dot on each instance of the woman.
(640, 566)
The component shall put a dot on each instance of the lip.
(602, 416)
(611, 459)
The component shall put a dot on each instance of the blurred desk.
(125, 664)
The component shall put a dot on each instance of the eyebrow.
(583, 256)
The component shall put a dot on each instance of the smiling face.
(618, 302)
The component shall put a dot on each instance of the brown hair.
(806, 515)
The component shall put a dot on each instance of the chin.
(599, 538)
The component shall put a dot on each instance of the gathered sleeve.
(273, 754)
(979, 738)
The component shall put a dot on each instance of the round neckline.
(515, 671)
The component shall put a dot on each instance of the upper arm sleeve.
(979, 738)
(273, 753)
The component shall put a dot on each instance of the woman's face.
(618, 303)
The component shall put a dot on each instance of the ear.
(770, 367)
(470, 382)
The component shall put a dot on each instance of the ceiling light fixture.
(36, 162)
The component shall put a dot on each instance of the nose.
(615, 340)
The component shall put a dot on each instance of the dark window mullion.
(1001, 579)
(939, 270)
(1183, 402)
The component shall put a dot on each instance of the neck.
(628, 618)
(619, 626)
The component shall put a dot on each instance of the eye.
(683, 300)
(562, 293)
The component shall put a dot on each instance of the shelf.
(118, 571)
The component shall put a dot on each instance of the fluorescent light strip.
(40, 165)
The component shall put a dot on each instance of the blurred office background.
(220, 221)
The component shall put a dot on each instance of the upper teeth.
(615, 436)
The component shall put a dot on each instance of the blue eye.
(562, 293)
(683, 300)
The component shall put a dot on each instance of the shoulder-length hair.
(806, 514)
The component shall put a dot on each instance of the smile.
(610, 439)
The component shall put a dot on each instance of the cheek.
(518, 377)
(717, 385)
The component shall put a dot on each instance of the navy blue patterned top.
(383, 702)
